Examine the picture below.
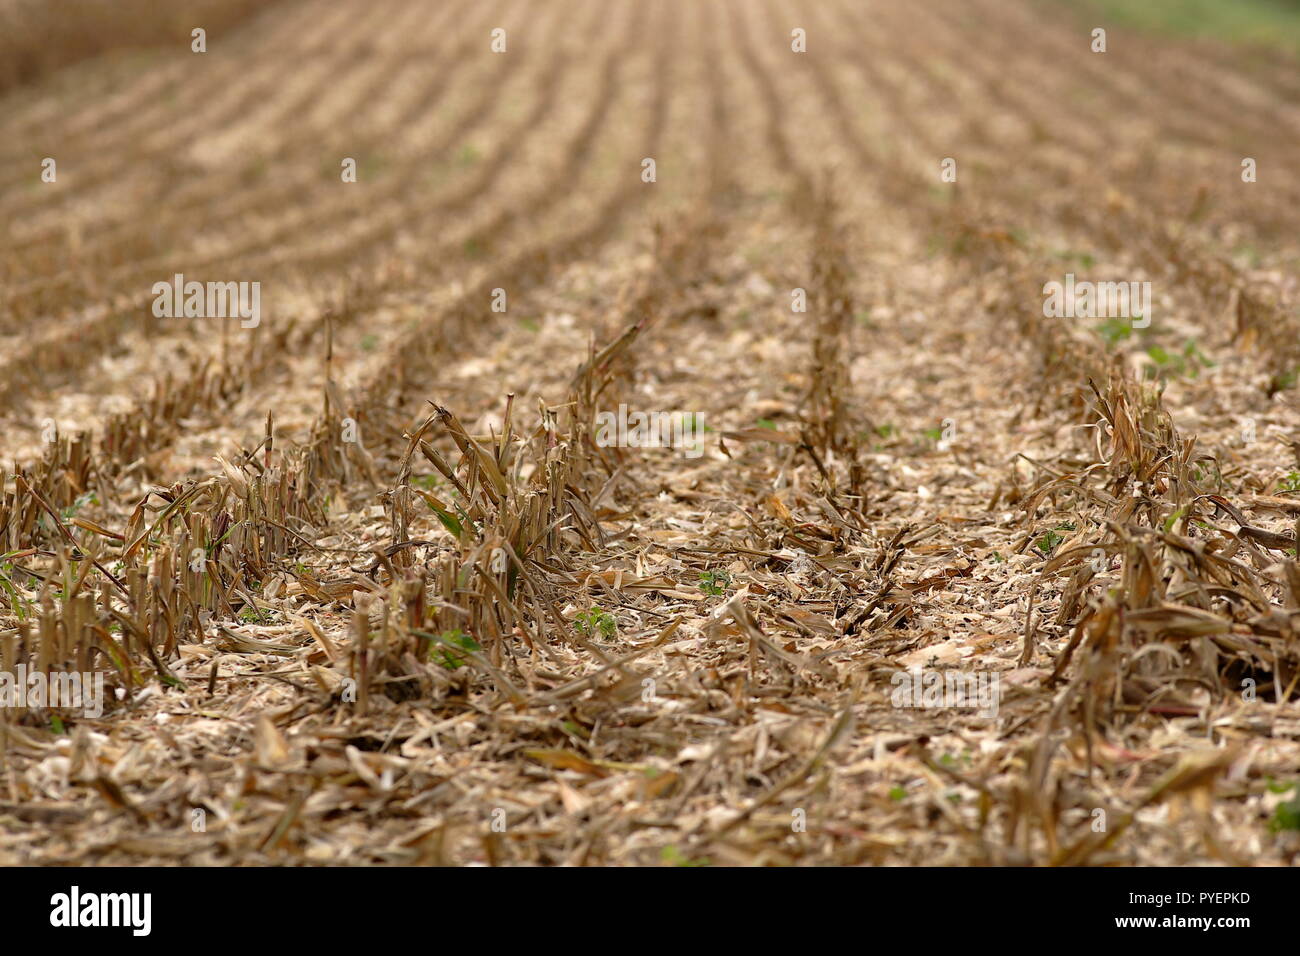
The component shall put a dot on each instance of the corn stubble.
(365, 588)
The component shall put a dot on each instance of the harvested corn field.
(735, 432)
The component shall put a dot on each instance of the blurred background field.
(37, 36)
(1265, 23)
